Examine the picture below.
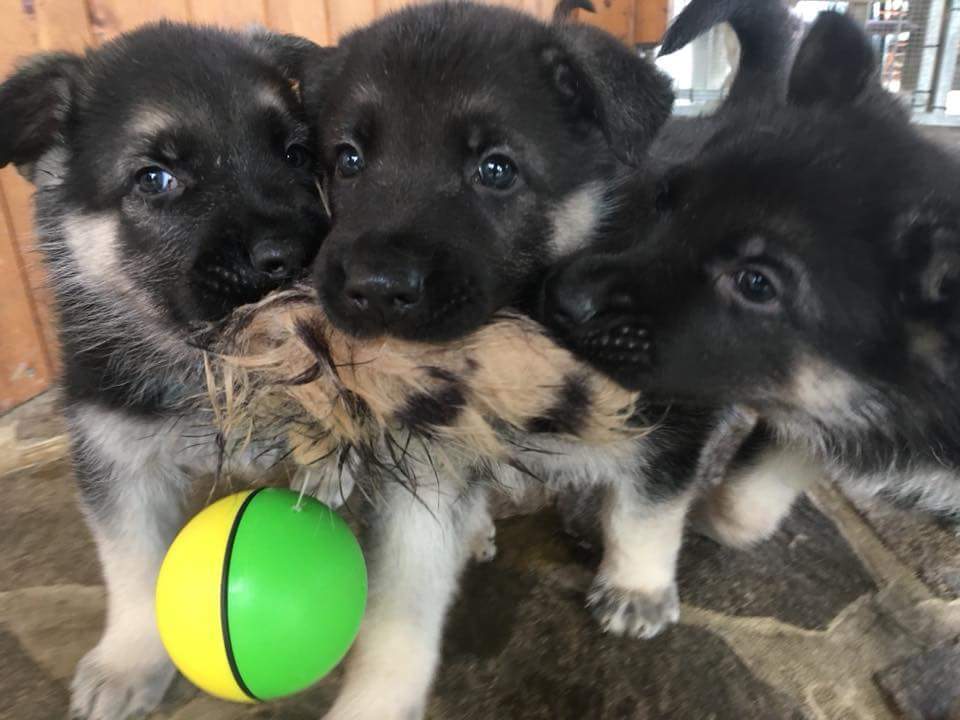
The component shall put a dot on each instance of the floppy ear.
(291, 53)
(35, 103)
(605, 82)
(929, 246)
(835, 64)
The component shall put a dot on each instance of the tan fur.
(281, 365)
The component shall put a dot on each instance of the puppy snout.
(276, 259)
(388, 292)
(583, 294)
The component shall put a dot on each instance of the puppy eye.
(754, 286)
(156, 181)
(349, 161)
(496, 172)
(296, 155)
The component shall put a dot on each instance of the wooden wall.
(28, 357)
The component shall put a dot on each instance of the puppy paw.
(117, 690)
(633, 613)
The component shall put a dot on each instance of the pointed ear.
(606, 83)
(928, 241)
(835, 64)
(36, 101)
(292, 54)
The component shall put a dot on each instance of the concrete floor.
(845, 615)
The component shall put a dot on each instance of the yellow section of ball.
(189, 597)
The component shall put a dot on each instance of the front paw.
(633, 613)
(117, 688)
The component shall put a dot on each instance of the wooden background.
(28, 355)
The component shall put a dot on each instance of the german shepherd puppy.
(805, 266)
(466, 148)
(175, 181)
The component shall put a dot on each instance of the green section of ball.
(296, 592)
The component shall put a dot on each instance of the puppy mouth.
(617, 346)
(220, 282)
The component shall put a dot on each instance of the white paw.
(119, 689)
(633, 613)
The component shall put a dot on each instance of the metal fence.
(918, 42)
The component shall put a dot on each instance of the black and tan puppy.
(466, 148)
(805, 266)
(174, 182)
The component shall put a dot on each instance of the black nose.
(583, 292)
(386, 291)
(277, 259)
(569, 307)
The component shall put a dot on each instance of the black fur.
(420, 249)
(852, 219)
(84, 127)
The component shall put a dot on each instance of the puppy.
(805, 267)
(466, 148)
(174, 181)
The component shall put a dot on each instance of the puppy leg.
(751, 503)
(635, 591)
(132, 500)
(420, 546)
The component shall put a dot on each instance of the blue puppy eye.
(349, 161)
(755, 286)
(497, 172)
(296, 155)
(155, 181)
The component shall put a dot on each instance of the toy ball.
(261, 595)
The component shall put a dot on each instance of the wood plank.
(24, 368)
(307, 18)
(346, 15)
(62, 25)
(112, 17)
(539, 8)
(18, 34)
(386, 6)
(229, 13)
(651, 23)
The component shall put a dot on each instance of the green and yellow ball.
(261, 595)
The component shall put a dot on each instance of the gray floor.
(846, 614)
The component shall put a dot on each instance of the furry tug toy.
(280, 369)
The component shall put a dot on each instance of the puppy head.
(777, 272)
(464, 147)
(176, 162)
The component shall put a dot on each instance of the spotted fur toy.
(281, 370)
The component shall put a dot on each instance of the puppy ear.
(36, 101)
(290, 53)
(928, 242)
(835, 64)
(605, 82)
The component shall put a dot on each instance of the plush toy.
(280, 367)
